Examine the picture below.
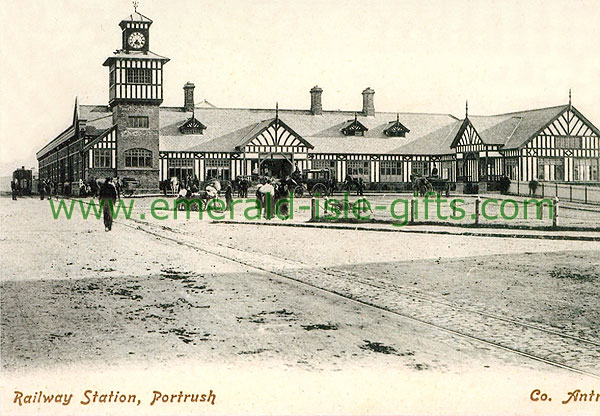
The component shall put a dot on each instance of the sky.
(418, 56)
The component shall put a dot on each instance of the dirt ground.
(71, 291)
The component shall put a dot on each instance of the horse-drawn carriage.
(423, 185)
(129, 186)
(194, 201)
(316, 182)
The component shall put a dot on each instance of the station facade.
(134, 136)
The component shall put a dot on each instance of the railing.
(565, 192)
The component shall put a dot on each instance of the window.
(511, 168)
(585, 169)
(567, 142)
(139, 76)
(102, 158)
(419, 168)
(358, 169)
(138, 158)
(181, 162)
(391, 171)
(217, 168)
(181, 168)
(551, 169)
(138, 122)
(323, 164)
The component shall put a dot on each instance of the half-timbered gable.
(101, 154)
(468, 139)
(566, 148)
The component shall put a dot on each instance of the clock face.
(136, 40)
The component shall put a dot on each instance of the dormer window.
(353, 128)
(192, 126)
(395, 128)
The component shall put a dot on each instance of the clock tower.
(135, 94)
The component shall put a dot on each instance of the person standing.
(228, 195)
(360, 188)
(13, 189)
(42, 189)
(108, 199)
(266, 195)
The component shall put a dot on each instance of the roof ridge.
(301, 110)
(530, 110)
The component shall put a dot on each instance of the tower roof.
(136, 17)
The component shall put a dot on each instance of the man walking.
(108, 199)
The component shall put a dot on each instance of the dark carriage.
(129, 186)
(316, 182)
(423, 185)
(440, 186)
(24, 178)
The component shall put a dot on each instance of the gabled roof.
(512, 130)
(322, 131)
(205, 104)
(351, 126)
(395, 128)
(98, 119)
(236, 140)
(437, 142)
(532, 122)
(191, 123)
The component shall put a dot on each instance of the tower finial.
(277, 110)
(466, 108)
(569, 97)
(355, 116)
(398, 117)
(135, 5)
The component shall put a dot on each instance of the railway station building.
(134, 136)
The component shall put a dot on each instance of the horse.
(174, 184)
(350, 183)
(421, 185)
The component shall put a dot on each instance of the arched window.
(138, 158)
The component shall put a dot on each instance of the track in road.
(544, 345)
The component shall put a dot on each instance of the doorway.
(277, 165)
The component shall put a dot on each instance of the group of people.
(270, 192)
(48, 189)
(175, 184)
(93, 185)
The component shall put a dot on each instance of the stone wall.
(143, 138)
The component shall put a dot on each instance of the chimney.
(316, 107)
(368, 102)
(188, 96)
